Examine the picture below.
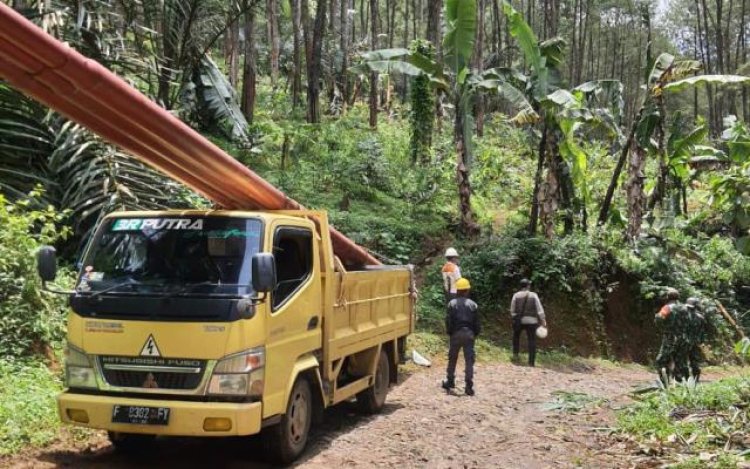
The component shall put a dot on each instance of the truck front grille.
(137, 372)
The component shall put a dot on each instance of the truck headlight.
(78, 370)
(240, 374)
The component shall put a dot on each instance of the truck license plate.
(140, 415)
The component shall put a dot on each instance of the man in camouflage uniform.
(697, 335)
(673, 349)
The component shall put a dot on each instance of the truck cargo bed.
(371, 307)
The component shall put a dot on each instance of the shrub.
(599, 293)
(30, 321)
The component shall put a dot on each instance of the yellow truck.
(218, 323)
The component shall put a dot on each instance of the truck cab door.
(295, 312)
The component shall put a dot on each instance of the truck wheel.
(286, 440)
(372, 399)
(131, 442)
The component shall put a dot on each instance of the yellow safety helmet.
(463, 284)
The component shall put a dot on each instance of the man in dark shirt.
(462, 325)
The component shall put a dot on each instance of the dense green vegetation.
(31, 322)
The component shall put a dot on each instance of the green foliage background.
(30, 321)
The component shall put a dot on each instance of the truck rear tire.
(286, 440)
(372, 399)
(131, 443)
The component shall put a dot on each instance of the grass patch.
(28, 415)
(710, 418)
(434, 345)
(722, 461)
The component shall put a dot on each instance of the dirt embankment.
(504, 425)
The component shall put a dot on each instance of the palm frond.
(77, 169)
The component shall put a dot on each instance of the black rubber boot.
(449, 384)
(469, 389)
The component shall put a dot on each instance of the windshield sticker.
(224, 234)
(137, 224)
(90, 275)
(96, 276)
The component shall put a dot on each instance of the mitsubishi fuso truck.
(218, 323)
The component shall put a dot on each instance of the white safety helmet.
(541, 332)
(451, 252)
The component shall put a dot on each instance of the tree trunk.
(713, 118)
(662, 182)
(389, 6)
(344, 74)
(307, 33)
(314, 65)
(414, 17)
(745, 91)
(467, 225)
(497, 38)
(406, 23)
(232, 52)
(534, 218)
(581, 41)
(274, 42)
(432, 33)
(373, 75)
(169, 51)
(296, 11)
(479, 66)
(249, 75)
(549, 199)
(607, 202)
(634, 188)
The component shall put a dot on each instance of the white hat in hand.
(541, 332)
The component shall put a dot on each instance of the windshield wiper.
(132, 283)
(190, 286)
(128, 282)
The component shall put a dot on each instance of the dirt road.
(505, 425)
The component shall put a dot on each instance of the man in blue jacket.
(462, 325)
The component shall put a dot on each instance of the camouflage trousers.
(695, 357)
(664, 359)
(687, 358)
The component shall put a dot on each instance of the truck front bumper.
(185, 418)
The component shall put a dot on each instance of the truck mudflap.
(184, 418)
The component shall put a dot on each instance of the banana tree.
(537, 98)
(686, 146)
(647, 134)
(563, 116)
(730, 190)
(459, 83)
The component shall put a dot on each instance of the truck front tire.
(372, 399)
(286, 440)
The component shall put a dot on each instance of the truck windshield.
(174, 255)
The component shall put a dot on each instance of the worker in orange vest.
(451, 274)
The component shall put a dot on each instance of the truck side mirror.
(46, 263)
(264, 272)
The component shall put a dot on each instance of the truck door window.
(293, 250)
